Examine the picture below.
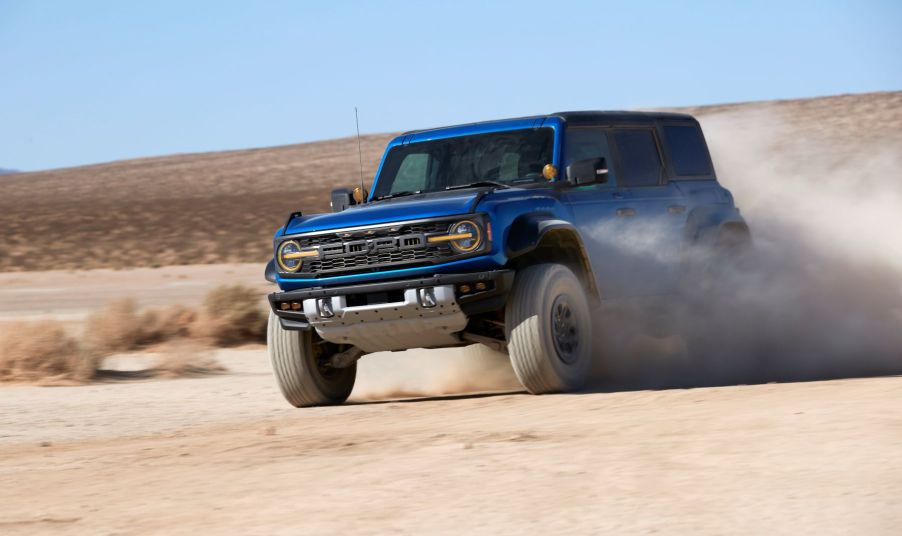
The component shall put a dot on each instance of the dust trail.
(433, 372)
(819, 296)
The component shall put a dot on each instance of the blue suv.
(509, 233)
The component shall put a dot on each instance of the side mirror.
(589, 171)
(342, 198)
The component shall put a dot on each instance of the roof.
(578, 117)
(621, 117)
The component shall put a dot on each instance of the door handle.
(676, 209)
(626, 212)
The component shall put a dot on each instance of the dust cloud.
(818, 296)
(418, 373)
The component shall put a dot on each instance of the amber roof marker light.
(549, 172)
(359, 194)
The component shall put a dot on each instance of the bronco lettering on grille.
(372, 245)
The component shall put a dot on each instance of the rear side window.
(640, 163)
(687, 150)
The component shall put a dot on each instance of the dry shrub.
(115, 328)
(38, 351)
(118, 327)
(232, 314)
(185, 359)
(42, 352)
(160, 325)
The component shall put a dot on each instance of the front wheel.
(549, 329)
(300, 365)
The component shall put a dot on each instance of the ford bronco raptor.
(508, 233)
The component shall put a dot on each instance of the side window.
(412, 173)
(686, 148)
(640, 163)
(583, 143)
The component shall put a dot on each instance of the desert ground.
(445, 441)
(225, 455)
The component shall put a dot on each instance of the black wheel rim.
(564, 329)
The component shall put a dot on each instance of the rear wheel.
(300, 364)
(549, 329)
(713, 273)
(708, 265)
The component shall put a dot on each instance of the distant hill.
(224, 206)
(4, 171)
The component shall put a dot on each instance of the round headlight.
(288, 256)
(469, 236)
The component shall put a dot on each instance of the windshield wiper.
(478, 184)
(397, 194)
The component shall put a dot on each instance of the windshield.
(511, 157)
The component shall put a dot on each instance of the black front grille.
(375, 261)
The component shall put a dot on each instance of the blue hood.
(403, 208)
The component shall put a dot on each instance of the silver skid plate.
(427, 317)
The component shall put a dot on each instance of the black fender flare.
(705, 226)
(528, 230)
(270, 271)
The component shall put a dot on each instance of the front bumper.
(290, 306)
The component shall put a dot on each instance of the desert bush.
(160, 325)
(232, 314)
(115, 328)
(38, 351)
(118, 327)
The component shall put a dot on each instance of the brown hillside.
(224, 206)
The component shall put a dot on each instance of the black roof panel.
(585, 117)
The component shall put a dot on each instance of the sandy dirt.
(72, 295)
(225, 455)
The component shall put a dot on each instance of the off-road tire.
(708, 265)
(712, 280)
(541, 354)
(304, 382)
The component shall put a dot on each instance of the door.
(654, 211)
(595, 208)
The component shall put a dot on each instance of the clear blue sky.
(87, 81)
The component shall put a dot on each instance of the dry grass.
(232, 314)
(225, 206)
(42, 352)
(115, 328)
(119, 327)
(159, 325)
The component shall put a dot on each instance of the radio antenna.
(359, 153)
